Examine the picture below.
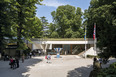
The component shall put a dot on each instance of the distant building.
(70, 45)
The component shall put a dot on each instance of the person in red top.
(11, 62)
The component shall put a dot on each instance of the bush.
(108, 72)
(113, 65)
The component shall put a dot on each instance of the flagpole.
(85, 42)
(95, 39)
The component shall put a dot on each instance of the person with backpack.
(11, 62)
(14, 63)
(48, 58)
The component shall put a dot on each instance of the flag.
(94, 32)
(85, 33)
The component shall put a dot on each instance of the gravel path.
(67, 66)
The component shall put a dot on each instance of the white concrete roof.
(73, 41)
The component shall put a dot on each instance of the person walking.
(39, 52)
(65, 52)
(14, 63)
(17, 62)
(48, 58)
(30, 54)
(11, 62)
(22, 58)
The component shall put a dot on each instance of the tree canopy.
(68, 21)
(102, 12)
(18, 20)
(5, 22)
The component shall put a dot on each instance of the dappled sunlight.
(80, 72)
(22, 71)
(29, 65)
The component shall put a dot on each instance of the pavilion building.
(72, 46)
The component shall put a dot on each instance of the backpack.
(45, 57)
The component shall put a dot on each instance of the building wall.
(10, 52)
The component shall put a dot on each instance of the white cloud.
(52, 3)
(82, 10)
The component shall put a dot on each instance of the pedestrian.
(5, 57)
(68, 51)
(30, 54)
(11, 62)
(2, 55)
(39, 52)
(14, 63)
(96, 68)
(94, 59)
(33, 53)
(17, 62)
(48, 58)
(22, 58)
(65, 52)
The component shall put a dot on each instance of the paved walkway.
(67, 66)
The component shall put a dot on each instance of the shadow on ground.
(85, 71)
(6, 71)
(80, 72)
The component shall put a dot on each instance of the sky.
(51, 5)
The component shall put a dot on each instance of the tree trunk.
(19, 29)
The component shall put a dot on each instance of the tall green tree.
(5, 22)
(99, 12)
(78, 30)
(33, 28)
(24, 19)
(44, 22)
(52, 31)
(68, 21)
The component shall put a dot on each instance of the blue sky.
(51, 5)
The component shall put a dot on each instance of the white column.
(50, 46)
(46, 47)
(41, 46)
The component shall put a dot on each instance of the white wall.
(63, 42)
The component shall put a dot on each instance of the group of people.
(29, 55)
(14, 63)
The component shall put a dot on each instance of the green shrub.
(113, 65)
(108, 72)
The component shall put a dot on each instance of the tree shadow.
(85, 71)
(110, 61)
(6, 71)
(80, 72)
